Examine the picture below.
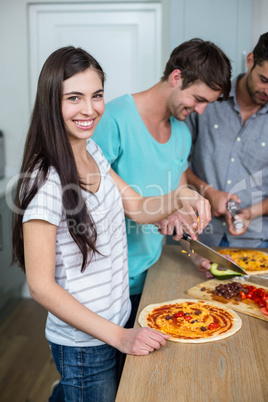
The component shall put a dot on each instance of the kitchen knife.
(212, 255)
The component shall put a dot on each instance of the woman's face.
(82, 104)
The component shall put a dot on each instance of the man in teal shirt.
(144, 138)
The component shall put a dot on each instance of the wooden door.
(124, 38)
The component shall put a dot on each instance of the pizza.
(191, 321)
(254, 262)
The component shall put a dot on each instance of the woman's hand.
(148, 210)
(178, 222)
(140, 341)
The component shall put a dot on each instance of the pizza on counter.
(191, 321)
(254, 262)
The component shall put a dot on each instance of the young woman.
(69, 236)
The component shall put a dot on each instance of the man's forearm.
(198, 184)
(259, 209)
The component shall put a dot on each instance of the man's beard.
(253, 95)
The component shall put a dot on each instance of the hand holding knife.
(199, 248)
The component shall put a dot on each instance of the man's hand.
(245, 216)
(218, 200)
(194, 207)
(202, 264)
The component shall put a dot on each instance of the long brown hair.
(47, 145)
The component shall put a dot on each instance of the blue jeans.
(88, 374)
(224, 243)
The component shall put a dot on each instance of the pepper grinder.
(233, 207)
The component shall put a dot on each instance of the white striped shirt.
(103, 286)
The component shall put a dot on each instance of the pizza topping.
(231, 289)
(264, 310)
(251, 260)
(188, 317)
(177, 320)
(258, 295)
(242, 295)
(180, 314)
(168, 317)
(242, 292)
(213, 325)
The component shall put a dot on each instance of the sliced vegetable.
(264, 310)
(188, 318)
(242, 295)
(221, 272)
(213, 325)
(179, 314)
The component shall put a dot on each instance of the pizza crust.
(236, 320)
(256, 272)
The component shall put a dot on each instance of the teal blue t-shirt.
(146, 165)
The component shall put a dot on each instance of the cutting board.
(245, 306)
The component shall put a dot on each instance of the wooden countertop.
(234, 369)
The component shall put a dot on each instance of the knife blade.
(212, 255)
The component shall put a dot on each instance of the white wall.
(259, 20)
(14, 111)
(14, 83)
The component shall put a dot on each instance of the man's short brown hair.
(260, 51)
(201, 61)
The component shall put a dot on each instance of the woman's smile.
(84, 124)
